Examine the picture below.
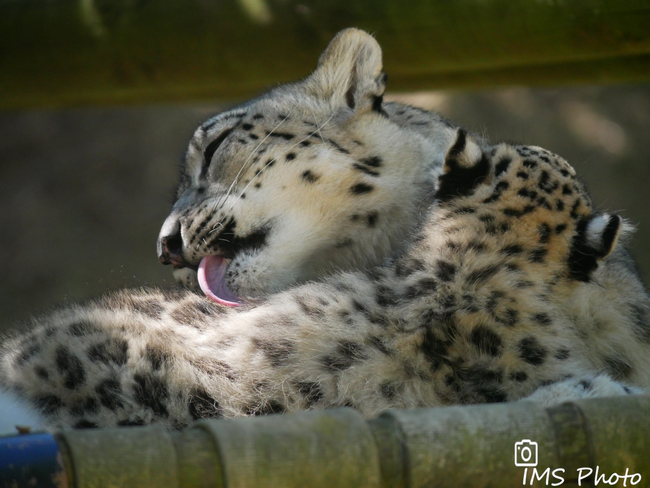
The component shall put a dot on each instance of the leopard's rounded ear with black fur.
(596, 237)
(465, 168)
(349, 72)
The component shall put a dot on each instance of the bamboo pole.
(73, 52)
(581, 443)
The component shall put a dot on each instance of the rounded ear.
(465, 167)
(349, 72)
(594, 240)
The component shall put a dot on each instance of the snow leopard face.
(313, 177)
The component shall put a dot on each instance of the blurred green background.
(84, 190)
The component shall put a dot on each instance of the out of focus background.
(92, 129)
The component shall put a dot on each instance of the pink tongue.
(211, 274)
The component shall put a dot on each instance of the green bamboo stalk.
(468, 446)
(73, 52)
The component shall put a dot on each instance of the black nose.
(171, 250)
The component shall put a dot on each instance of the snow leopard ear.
(595, 239)
(465, 167)
(349, 72)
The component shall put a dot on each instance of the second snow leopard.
(511, 287)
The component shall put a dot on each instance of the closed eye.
(211, 149)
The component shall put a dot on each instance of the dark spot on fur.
(530, 164)
(407, 268)
(157, 357)
(483, 274)
(247, 126)
(372, 218)
(538, 255)
(385, 296)
(151, 392)
(531, 351)
(70, 367)
(422, 287)
(486, 341)
(361, 188)
(498, 190)
(311, 391)
(278, 353)
(519, 376)
(374, 161)
(583, 259)
(337, 147)
(201, 405)
(435, 348)
(345, 355)
(290, 156)
(30, 349)
(512, 250)
(544, 231)
(49, 404)
(110, 351)
(365, 169)
(309, 177)
(562, 354)
(86, 406)
(378, 344)
(85, 424)
(152, 308)
(542, 319)
(509, 318)
(42, 373)
(231, 244)
(560, 228)
(502, 166)
(459, 180)
(545, 183)
(513, 212)
(308, 309)
(282, 135)
(465, 210)
(484, 383)
(619, 368)
(109, 392)
(445, 270)
(388, 390)
(81, 328)
(265, 408)
(526, 193)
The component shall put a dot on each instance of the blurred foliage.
(74, 52)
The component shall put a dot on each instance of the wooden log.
(122, 51)
(470, 446)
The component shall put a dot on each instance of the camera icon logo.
(526, 453)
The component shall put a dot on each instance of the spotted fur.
(490, 302)
(314, 177)
(510, 287)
